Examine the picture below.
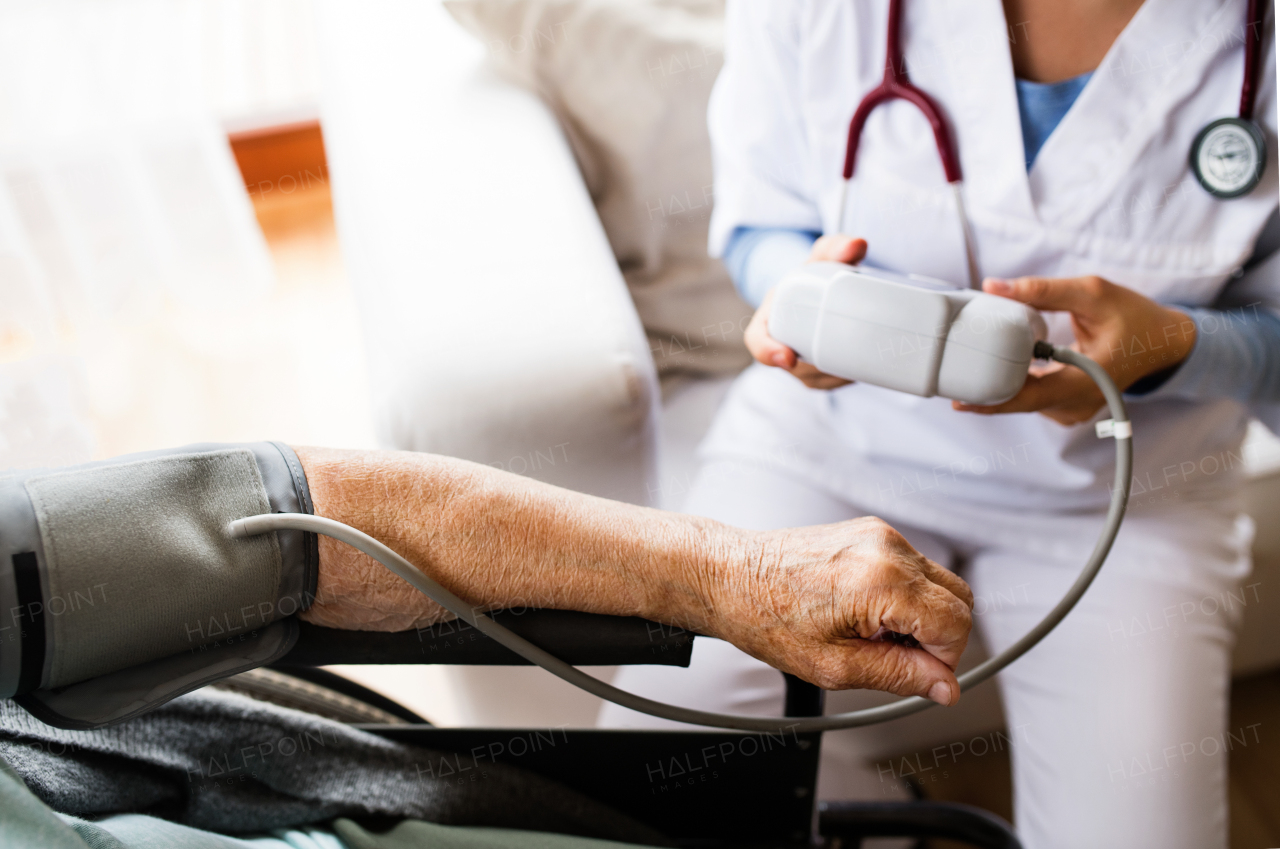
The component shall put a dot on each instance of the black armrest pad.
(582, 639)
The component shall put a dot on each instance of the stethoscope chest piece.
(1228, 157)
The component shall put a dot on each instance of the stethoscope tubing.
(1252, 59)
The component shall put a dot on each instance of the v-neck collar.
(1104, 134)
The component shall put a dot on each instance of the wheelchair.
(702, 789)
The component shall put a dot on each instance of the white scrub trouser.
(1117, 721)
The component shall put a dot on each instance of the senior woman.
(174, 603)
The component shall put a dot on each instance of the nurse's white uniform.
(1120, 715)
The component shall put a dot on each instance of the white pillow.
(629, 81)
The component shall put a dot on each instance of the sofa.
(500, 327)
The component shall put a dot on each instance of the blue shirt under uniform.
(1041, 107)
(1236, 353)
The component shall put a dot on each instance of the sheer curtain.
(129, 252)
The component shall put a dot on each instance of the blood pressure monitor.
(906, 332)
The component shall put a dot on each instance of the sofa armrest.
(497, 322)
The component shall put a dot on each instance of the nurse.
(1073, 124)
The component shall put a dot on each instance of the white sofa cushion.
(629, 81)
(497, 325)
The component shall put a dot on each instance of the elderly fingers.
(949, 580)
(888, 666)
(937, 620)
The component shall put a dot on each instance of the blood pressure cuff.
(120, 589)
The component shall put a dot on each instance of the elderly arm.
(808, 601)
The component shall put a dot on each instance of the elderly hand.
(771, 352)
(1130, 335)
(825, 602)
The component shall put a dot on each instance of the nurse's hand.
(770, 351)
(1129, 334)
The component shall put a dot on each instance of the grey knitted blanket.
(227, 763)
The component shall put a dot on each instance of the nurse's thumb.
(1079, 295)
(838, 248)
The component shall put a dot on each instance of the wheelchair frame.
(704, 789)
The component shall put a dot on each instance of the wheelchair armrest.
(582, 639)
(852, 821)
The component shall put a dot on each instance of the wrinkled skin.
(820, 596)
(811, 601)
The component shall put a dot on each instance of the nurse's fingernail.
(940, 692)
(780, 359)
(996, 286)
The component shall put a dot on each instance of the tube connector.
(250, 526)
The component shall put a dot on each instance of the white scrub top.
(1110, 193)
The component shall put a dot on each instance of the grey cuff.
(118, 583)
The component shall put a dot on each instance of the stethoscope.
(1230, 154)
(1227, 157)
